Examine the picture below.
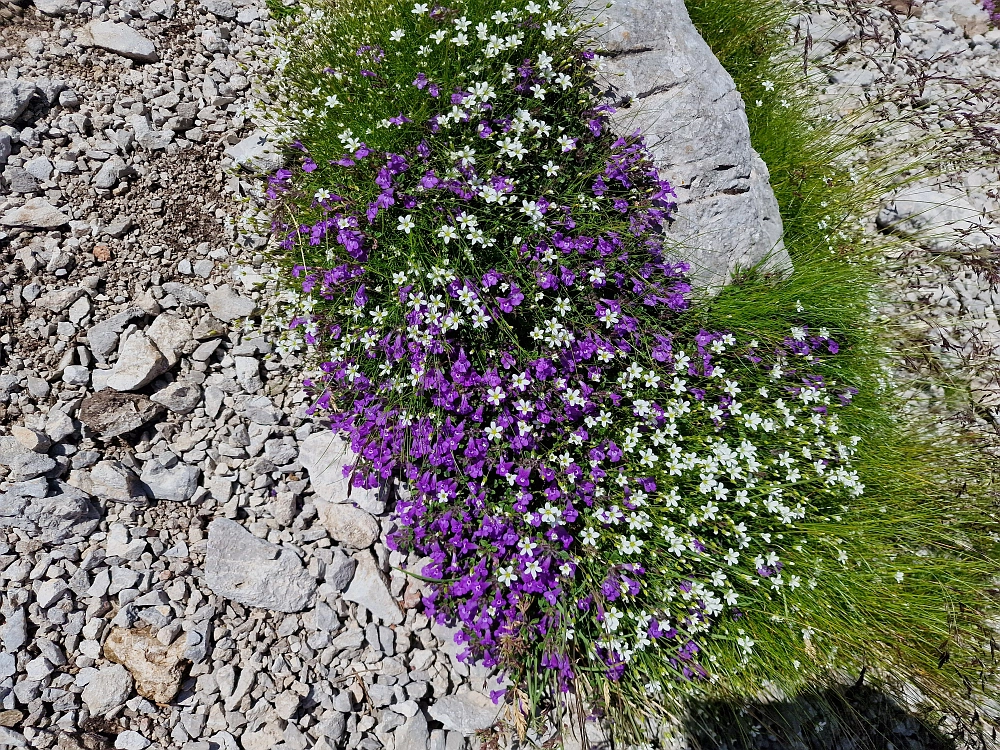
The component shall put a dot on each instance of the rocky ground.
(171, 575)
(933, 66)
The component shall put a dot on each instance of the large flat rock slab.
(695, 125)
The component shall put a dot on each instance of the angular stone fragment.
(36, 213)
(56, 7)
(368, 588)
(466, 712)
(252, 571)
(694, 123)
(170, 333)
(348, 525)
(121, 39)
(181, 397)
(111, 171)
(107, 690)
(227, 305)
(157, 669)
(15, 95)
(103, 337)
(58, 300)
(324, 455)
(50, 520)
(33, 440)
(177, 482)
(257, 153)
(110, 414)
(139, 362)
(109, 480)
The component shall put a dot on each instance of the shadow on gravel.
(850, 718)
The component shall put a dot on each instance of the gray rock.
(103, 337)
(340, 570)
(413, 735)
(198, 641)
(110, 414)
(185, 294)
(40, 168)
(181, 397)
(14, 632)
(12, 738)
(248, 374)
(50, 89)
(260, 410)
(177, 482)
(256, 153)
(220, 8)
(5, 147)
(15, 96)
(130, 740)
(36, 213)
(348, 525)
(110, 480)
(122, 40)
(324, 456)
(146, 137)
(33, 440)
(107, 690)
(254, 572)
(56, 7)
(936, 219)
(368, 589)
(170, 333)
(50, 520)
(23, 463)
(110, 173)
(467, 712)
(58, 300)
(76, 375)
(50, 591)
(139, 362)
(20, 180)
(694, 122)
(227, 305)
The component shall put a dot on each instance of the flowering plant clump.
(607, 494)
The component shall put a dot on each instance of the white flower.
(526, 547)
(899, 577)
(506, 576)
(460, 40)
(493, 432)
(629, 546)
(533, 568)
(564, 81)
(551, 168)
(447, 233)
(550, 513)
(589, 537)
(406, 223)
(467, 220)
(397, 34)
(768, 85)
(539, 91)
(495, 395)
(533, 7)
(566, 143)
(419, 8)
(463, 23)
(438, 36)
(612, 619)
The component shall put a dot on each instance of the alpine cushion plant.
(614, 502)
